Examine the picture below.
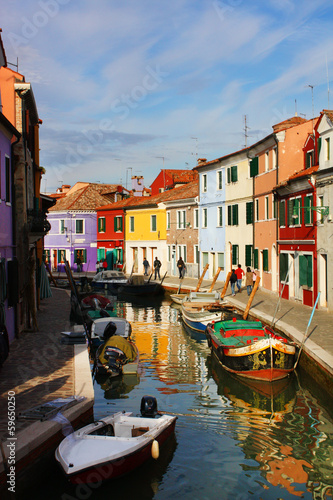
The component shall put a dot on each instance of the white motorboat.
(115, 445)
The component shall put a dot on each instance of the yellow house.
(145, 233)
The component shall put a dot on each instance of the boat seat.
(242, 333)
(138, 431)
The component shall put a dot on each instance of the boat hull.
(111, 468)
(266, 359)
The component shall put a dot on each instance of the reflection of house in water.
(163, 343)
(283, 429)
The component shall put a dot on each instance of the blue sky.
(125, 88)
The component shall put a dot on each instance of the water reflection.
(281, 431)
(117, 387)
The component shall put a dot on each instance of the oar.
(180, 285)
(163, 277)
(306, 331)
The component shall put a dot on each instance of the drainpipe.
(277, 216)
(315, 229)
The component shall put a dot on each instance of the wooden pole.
(214, 280)
(255, 287)
(51, 275)
(224, 291)
(201, 278)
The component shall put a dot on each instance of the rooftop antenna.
(328, 86)
(246, 128)
(311, 87)
(15, 65)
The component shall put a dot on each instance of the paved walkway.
(39, 368)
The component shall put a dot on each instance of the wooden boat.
(251, 350)
(178, 297)
(124, 329)
(115, 445)
(201, 308)
(116, 283)
(120, 356)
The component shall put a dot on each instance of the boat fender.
(155, 451)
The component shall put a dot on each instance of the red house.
(110, 232)
(169, 179)
(298, 236)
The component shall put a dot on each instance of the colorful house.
(273, 160)
(73, 222)
(324, 203)
(8, 262)
(29, 208)
(226, 208)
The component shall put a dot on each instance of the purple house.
(73, 219)
(8, 284)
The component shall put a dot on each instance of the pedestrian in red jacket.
(239, 273)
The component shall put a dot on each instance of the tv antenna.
(196, 153)
(246, 128)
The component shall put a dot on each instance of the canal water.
(233, 439)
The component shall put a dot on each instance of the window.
(101, 224)
(232, 215)
(235, 254)
(274, 157)
(327, 148)
(153, 223)
(182, 252)
(309, 159)
(219, 216)
(266, 161)
(7, 181)
(62, 226)
(248, 255)
(196, 254)
(282, 213)
(265, 260)
(47, 256)
(220, 260)
(256, 258)
(196, 218)
(181, 219)
(308, 214)
(131, 224)
(79, 226)
(274, 207)
(257, 209)
(305, 270)
(266, 207)
(249, 212)
(254, 169)
(82, 253)
(204, 259)
(118, 223)
(61, 256)
(204, 183)
(284, 267)
(168, 220)
(204, 217)
(219, 180)
(232, 174)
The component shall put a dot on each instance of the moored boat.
(115, 445)
(116, 356)
(251, 350)
(201, 308)
(124, 329)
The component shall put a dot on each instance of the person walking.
(105, 265)
(249, 280)
(239, 273)
(101, 265)
(233, 281)
(146, 266)
(78, 264)
(97, 267)
(157, 266)
(181, 267)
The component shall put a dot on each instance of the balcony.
(38, 225)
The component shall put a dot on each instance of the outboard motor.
(115, 359)
(148, 407)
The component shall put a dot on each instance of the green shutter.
(282, 213)
(115, 224)
(229, 215)
(249, 212)
(229, 175)
(283, 266)
(256, 258)
(234, 255)
(265, 260)
(121, 223)
(290, 208)
(308, 202)
(319, 147)
(234, 173)
(305, 270)
(235, 215)
(248, 255)
(254, 167)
